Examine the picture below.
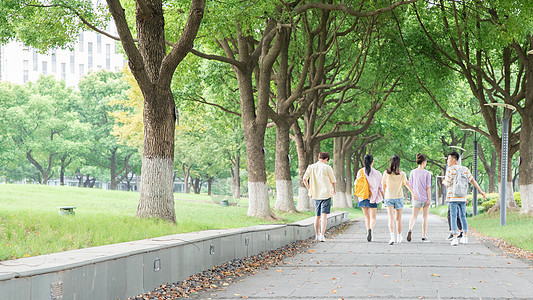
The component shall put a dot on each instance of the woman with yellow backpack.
(369, 191)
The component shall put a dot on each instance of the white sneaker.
(399, 238)
(392, 239)
(454, 242)
(321, 238)
(317, 237)
(464, 240)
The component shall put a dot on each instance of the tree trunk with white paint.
(339, 199)
(284, 193)
(349, 179)
(304, 160)
(157, 187)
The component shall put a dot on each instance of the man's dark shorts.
(322, 207)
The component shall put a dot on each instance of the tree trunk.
(209, 183)
(64, 164)
(526, 163)
(186, 172)
(490, 168)
(304, 160)
(254, 120)
(235, 174)
(45, 173)
(284, 193)
(157, 189)
(349, 178)
(257, 185)
(153, 68)
(113, 169)
(339, 199)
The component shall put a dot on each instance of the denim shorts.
(366, 203)
(322, 206)
(396, 203)
(419, 204)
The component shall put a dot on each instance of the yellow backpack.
(361, 188)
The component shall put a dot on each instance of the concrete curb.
(131, 268)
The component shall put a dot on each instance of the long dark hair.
(367, 161)
(394, 166)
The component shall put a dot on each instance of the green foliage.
(99, 91)
(486, 203)
(40, 123)
(47, 25)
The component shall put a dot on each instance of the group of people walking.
(388, 188)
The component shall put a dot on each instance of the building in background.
(92, 52)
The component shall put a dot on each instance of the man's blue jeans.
(458, 208)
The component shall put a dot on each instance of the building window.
(107, 56)
(90, 56)
(64, 71)
(54, 61)
(45, 68)
(81, 42)
(81, 70)
(35, 60)
(72, 63)
(26, 71)
(99, 43)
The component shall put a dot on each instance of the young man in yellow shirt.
(319, 179)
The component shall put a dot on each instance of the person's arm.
(333, 183)
(306, 183)
(473, 181)
(428, 186)
(448, 178)
(406, 183)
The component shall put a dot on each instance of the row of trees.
(49, 130)
(319, 72)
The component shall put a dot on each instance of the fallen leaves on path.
(211, 279)
(507, 248)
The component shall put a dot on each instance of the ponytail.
(367, 162)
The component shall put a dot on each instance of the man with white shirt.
(319, 179)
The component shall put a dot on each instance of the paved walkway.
(346, 266)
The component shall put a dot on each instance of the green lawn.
(516, 232)
(30, 224)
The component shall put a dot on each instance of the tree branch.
(350, 10)
(136, 62)
(184, 44)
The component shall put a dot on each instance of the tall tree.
(42, 125)
(98, 91)
(151, 62)
(487, 56)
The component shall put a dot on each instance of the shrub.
(488, 204)
(518, 199)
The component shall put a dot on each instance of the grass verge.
(516, 232)
(30, 224)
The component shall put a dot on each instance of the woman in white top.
(369, 206)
